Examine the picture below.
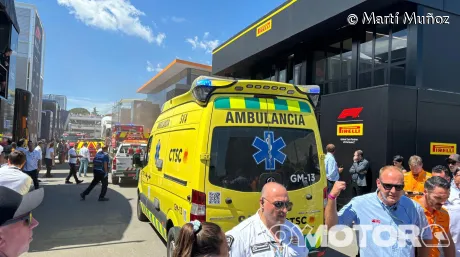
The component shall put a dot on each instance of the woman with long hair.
(200, 239)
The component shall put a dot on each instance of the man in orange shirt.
(414, 180)
(435, 195)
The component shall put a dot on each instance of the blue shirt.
(332, 171)
(369, 210)
(99, 161)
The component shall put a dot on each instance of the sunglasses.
(26, 217)
(280, 204)
(452, 162)
(390, 186)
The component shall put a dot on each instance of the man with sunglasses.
(453, 161)
(268, 232)
(387, 207)
(16, 221)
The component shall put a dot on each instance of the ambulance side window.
(147, 151)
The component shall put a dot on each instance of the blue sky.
(100, 51)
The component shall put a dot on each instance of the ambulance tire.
(171, 244)
(140, 215)
(115, 180)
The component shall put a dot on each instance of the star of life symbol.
(269, 150)
(157, 150)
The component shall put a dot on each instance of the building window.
(297, 70)
(382, 52)
(333, 68)
(381, 45)
(282, 75)
(398, 54)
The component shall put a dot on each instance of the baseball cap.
(14, 205)
(71, 144)
(454, 157)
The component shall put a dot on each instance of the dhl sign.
(350, 129)
(266, 26)
(442, 148)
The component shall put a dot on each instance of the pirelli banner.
(442, 148)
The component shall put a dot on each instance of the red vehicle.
(121, 132)
(73, 137)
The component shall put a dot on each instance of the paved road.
(71, 227)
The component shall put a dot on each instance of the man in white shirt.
(72, 163)
(39, 149)
(33, 163)
(268, 232)
(84, 160)
(453, 207)
(11, 175)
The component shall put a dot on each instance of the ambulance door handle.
(228, 200)
(188, 198)
(309, 196)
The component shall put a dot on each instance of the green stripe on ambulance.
(250, 103)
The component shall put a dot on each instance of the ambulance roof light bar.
(309, 89)
(203, 86)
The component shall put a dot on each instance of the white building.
(89, 124)
(30, 62)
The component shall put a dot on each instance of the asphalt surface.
(71, 227)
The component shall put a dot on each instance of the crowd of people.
(431, 202)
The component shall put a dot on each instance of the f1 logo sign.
(350, 113)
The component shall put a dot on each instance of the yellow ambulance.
(213, 148)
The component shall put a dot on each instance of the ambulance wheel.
(140, 215)
(171, 244)
(115, 180)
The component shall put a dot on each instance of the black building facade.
(400, 76)
(9, 32)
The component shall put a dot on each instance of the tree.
(95, 111)
(81, 111)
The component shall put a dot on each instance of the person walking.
(33, 163)
(100, 169)
(84, 159)
(39, 149)
(72, 164)
(49, 159)
(268, 232)
(358, 172)
(384, 210)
